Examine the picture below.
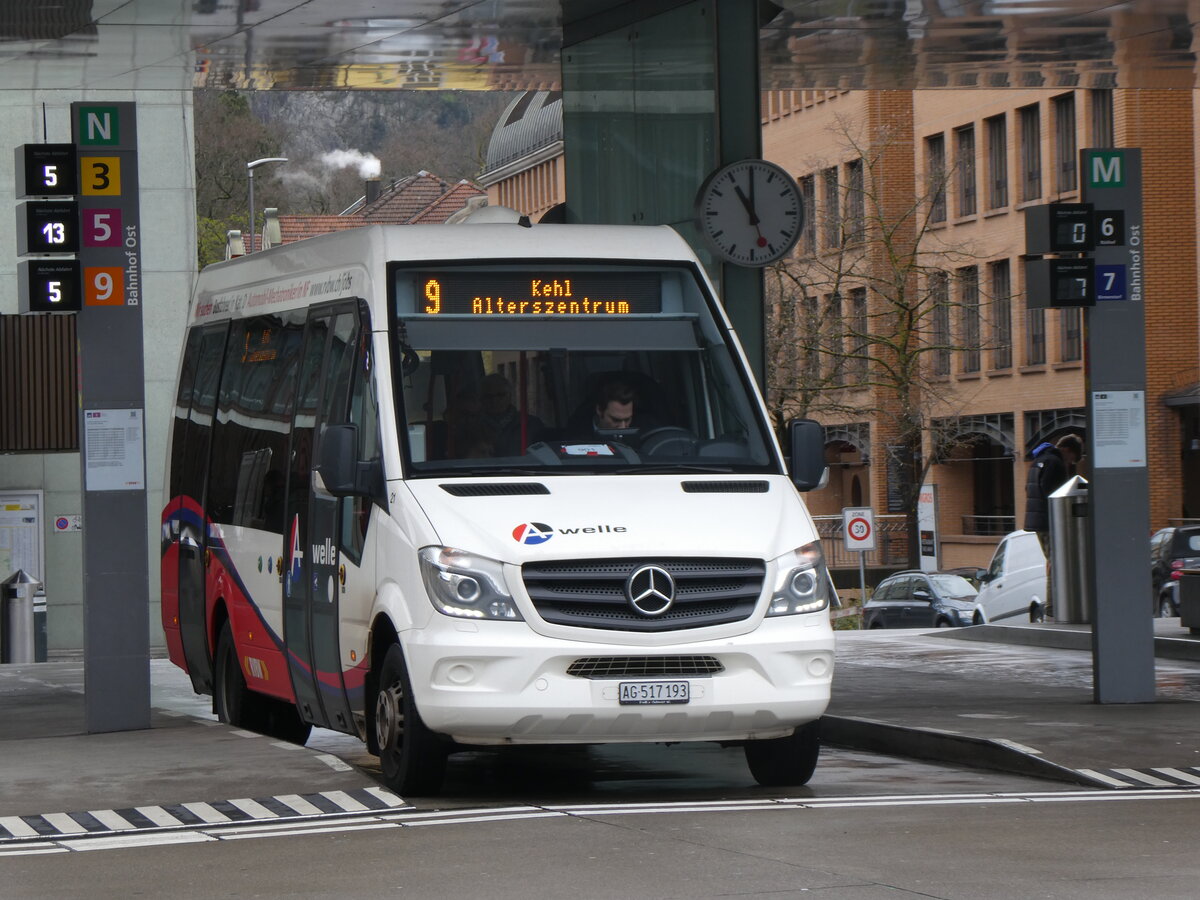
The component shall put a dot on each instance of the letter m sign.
(1107, 169)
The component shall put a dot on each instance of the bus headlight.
(802, 584)
(466, 585)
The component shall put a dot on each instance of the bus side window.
(364, 412)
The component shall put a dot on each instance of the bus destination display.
(540, 293)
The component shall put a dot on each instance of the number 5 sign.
(858, 528)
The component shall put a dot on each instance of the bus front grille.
(595, 593)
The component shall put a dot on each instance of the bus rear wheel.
(412, 757)
(787, 761)
(237, 705)
(234, 702)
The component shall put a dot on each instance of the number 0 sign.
(858, 528)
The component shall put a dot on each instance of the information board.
(22, 540)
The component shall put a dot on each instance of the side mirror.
(922, 594)
(806, 457)
(336, 472)
(984, 576)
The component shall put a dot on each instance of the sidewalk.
(1017, 699)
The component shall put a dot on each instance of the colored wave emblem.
(532, 533)
(297, 562)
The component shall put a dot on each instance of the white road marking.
(110, 819)
(334, 763)
(17, 826)
(206, 813)
(253, 808)
(345, 801)
(386, 796)
(158, 816)
(299, 804)
(1143, 777)
(1180, 774)
(1099, 776)
(64, 823)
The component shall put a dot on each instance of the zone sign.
(858, 528)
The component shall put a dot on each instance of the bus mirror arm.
(806, 454)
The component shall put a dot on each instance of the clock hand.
(748, 203)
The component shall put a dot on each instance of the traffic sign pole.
(858, 532)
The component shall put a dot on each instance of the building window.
(812, 339)
(1102, 118)
(1070, 331)
(964, 152)
(856, 365)
(835, 338)
(855, 202)
(939, 299)
(1001, 315)
(832, 204)
(808, 193)
(1066, 177)
(1035, 337)
(997, 135)
(1031, 152)
(968, 282)
(935, 176)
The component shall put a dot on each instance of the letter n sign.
(1107, 169)
(98, 126)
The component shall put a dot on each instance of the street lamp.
(250, 167)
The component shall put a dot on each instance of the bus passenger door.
(189, 469)
(311, 583)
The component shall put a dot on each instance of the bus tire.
(412, 757)
(235, 703)
(787, 761)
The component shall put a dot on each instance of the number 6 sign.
(858, 528)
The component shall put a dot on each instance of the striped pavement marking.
(193, 814)
(1150, 777)
(396, 817)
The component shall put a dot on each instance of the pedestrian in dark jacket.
(1052, 465)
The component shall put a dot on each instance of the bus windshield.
(579, 370)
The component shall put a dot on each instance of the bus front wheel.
(786, 761)
(412, 757)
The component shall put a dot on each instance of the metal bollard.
(16, 608)
(1070, 539)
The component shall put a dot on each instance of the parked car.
(1014, 583)
(1171, 551)
(916, 599)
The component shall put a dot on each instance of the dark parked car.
(921, 600)
(1171, 550)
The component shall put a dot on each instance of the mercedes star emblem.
(651, 590)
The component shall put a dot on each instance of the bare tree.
(871, 301)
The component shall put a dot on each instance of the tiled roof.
(423, 199)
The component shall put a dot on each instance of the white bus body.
(394, 509)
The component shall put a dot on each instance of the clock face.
(750, 212)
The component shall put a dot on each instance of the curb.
(947, 747)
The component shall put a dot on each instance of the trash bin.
(1189, 599)
(16, 608)
(1070, 552)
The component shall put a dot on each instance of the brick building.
(953, 171)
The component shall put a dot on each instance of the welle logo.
(540, 532)
(532, 533)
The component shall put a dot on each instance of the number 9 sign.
(103, 286)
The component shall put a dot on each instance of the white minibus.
(443, 487)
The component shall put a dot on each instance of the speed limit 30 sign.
(858, 528)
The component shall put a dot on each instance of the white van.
(396, 511)
(1015, 581)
